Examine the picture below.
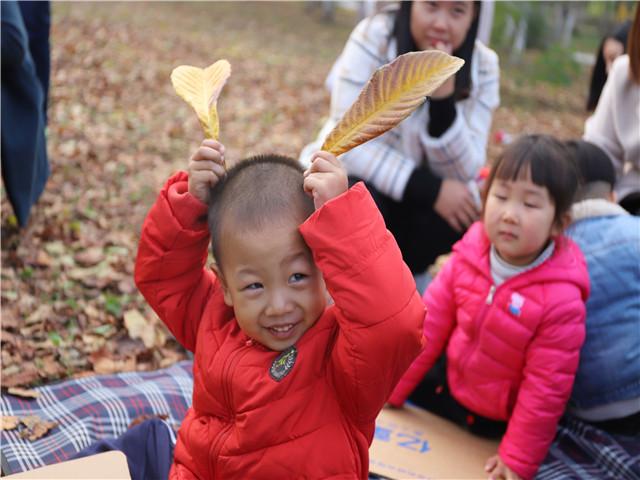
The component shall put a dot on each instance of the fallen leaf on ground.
(169, 357)
(9, 319)
(25, 375)
(8, 422)
(126, 285)
(35, 427)
(42, 259)
(8, 337)
(89, 257)
(23, 392)
(104, 363)
(138, 327)
(42, 313)
(51, 367)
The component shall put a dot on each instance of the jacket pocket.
(200, 436)
(505, 401)
(489, 399)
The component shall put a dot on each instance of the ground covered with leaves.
(117, 130)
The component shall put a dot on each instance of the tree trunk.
(485, 23)
(568, 25)
(519, 41)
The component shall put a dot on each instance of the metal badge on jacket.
(283, 363)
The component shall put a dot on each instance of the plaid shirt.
(388, 161)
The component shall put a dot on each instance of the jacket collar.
(566, 264)
(595, 207)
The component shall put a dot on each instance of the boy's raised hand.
(325, 179)
(206, 167)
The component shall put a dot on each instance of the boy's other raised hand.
(325, 179)
(206, 167)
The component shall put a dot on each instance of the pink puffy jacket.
(512, 351)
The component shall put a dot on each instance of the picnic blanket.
(93, 408)
(582, 451)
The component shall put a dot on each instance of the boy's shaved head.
(596, 172)
(255, 193)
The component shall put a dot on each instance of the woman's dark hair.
(405, 43)
(551, 165)
(599, 73)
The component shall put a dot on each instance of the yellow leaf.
(138, 327)
(8, 422)
(391, 94)
(22, 392)
(201, 88)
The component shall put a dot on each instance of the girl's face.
(611, 49)
(519, 219)
(440, 25)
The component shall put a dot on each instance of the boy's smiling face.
(272, 283)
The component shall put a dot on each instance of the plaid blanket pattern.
(581, 451)
(91, 408)
(88, 409)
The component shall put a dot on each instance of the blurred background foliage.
(551, 41)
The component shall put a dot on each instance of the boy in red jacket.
(285, 385)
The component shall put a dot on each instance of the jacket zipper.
(216, 446)
(492, 292)
(476, 327)
(487, 303)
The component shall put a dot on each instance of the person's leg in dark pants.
(147, 446)
(433, 394)
(37, 21)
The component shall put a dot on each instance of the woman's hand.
(325, 179)
(455, 204)
(206, 167)
(498, 470)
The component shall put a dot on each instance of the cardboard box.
(107, 466)
(413, 443)
(408, 443)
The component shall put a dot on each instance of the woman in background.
(421, 173)
(615, 124)
(612, 46)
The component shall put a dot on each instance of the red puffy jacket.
(512, 351)
(318, 421)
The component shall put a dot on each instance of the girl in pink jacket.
(509, 309)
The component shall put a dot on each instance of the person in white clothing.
(422, 173)
(615, 124)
